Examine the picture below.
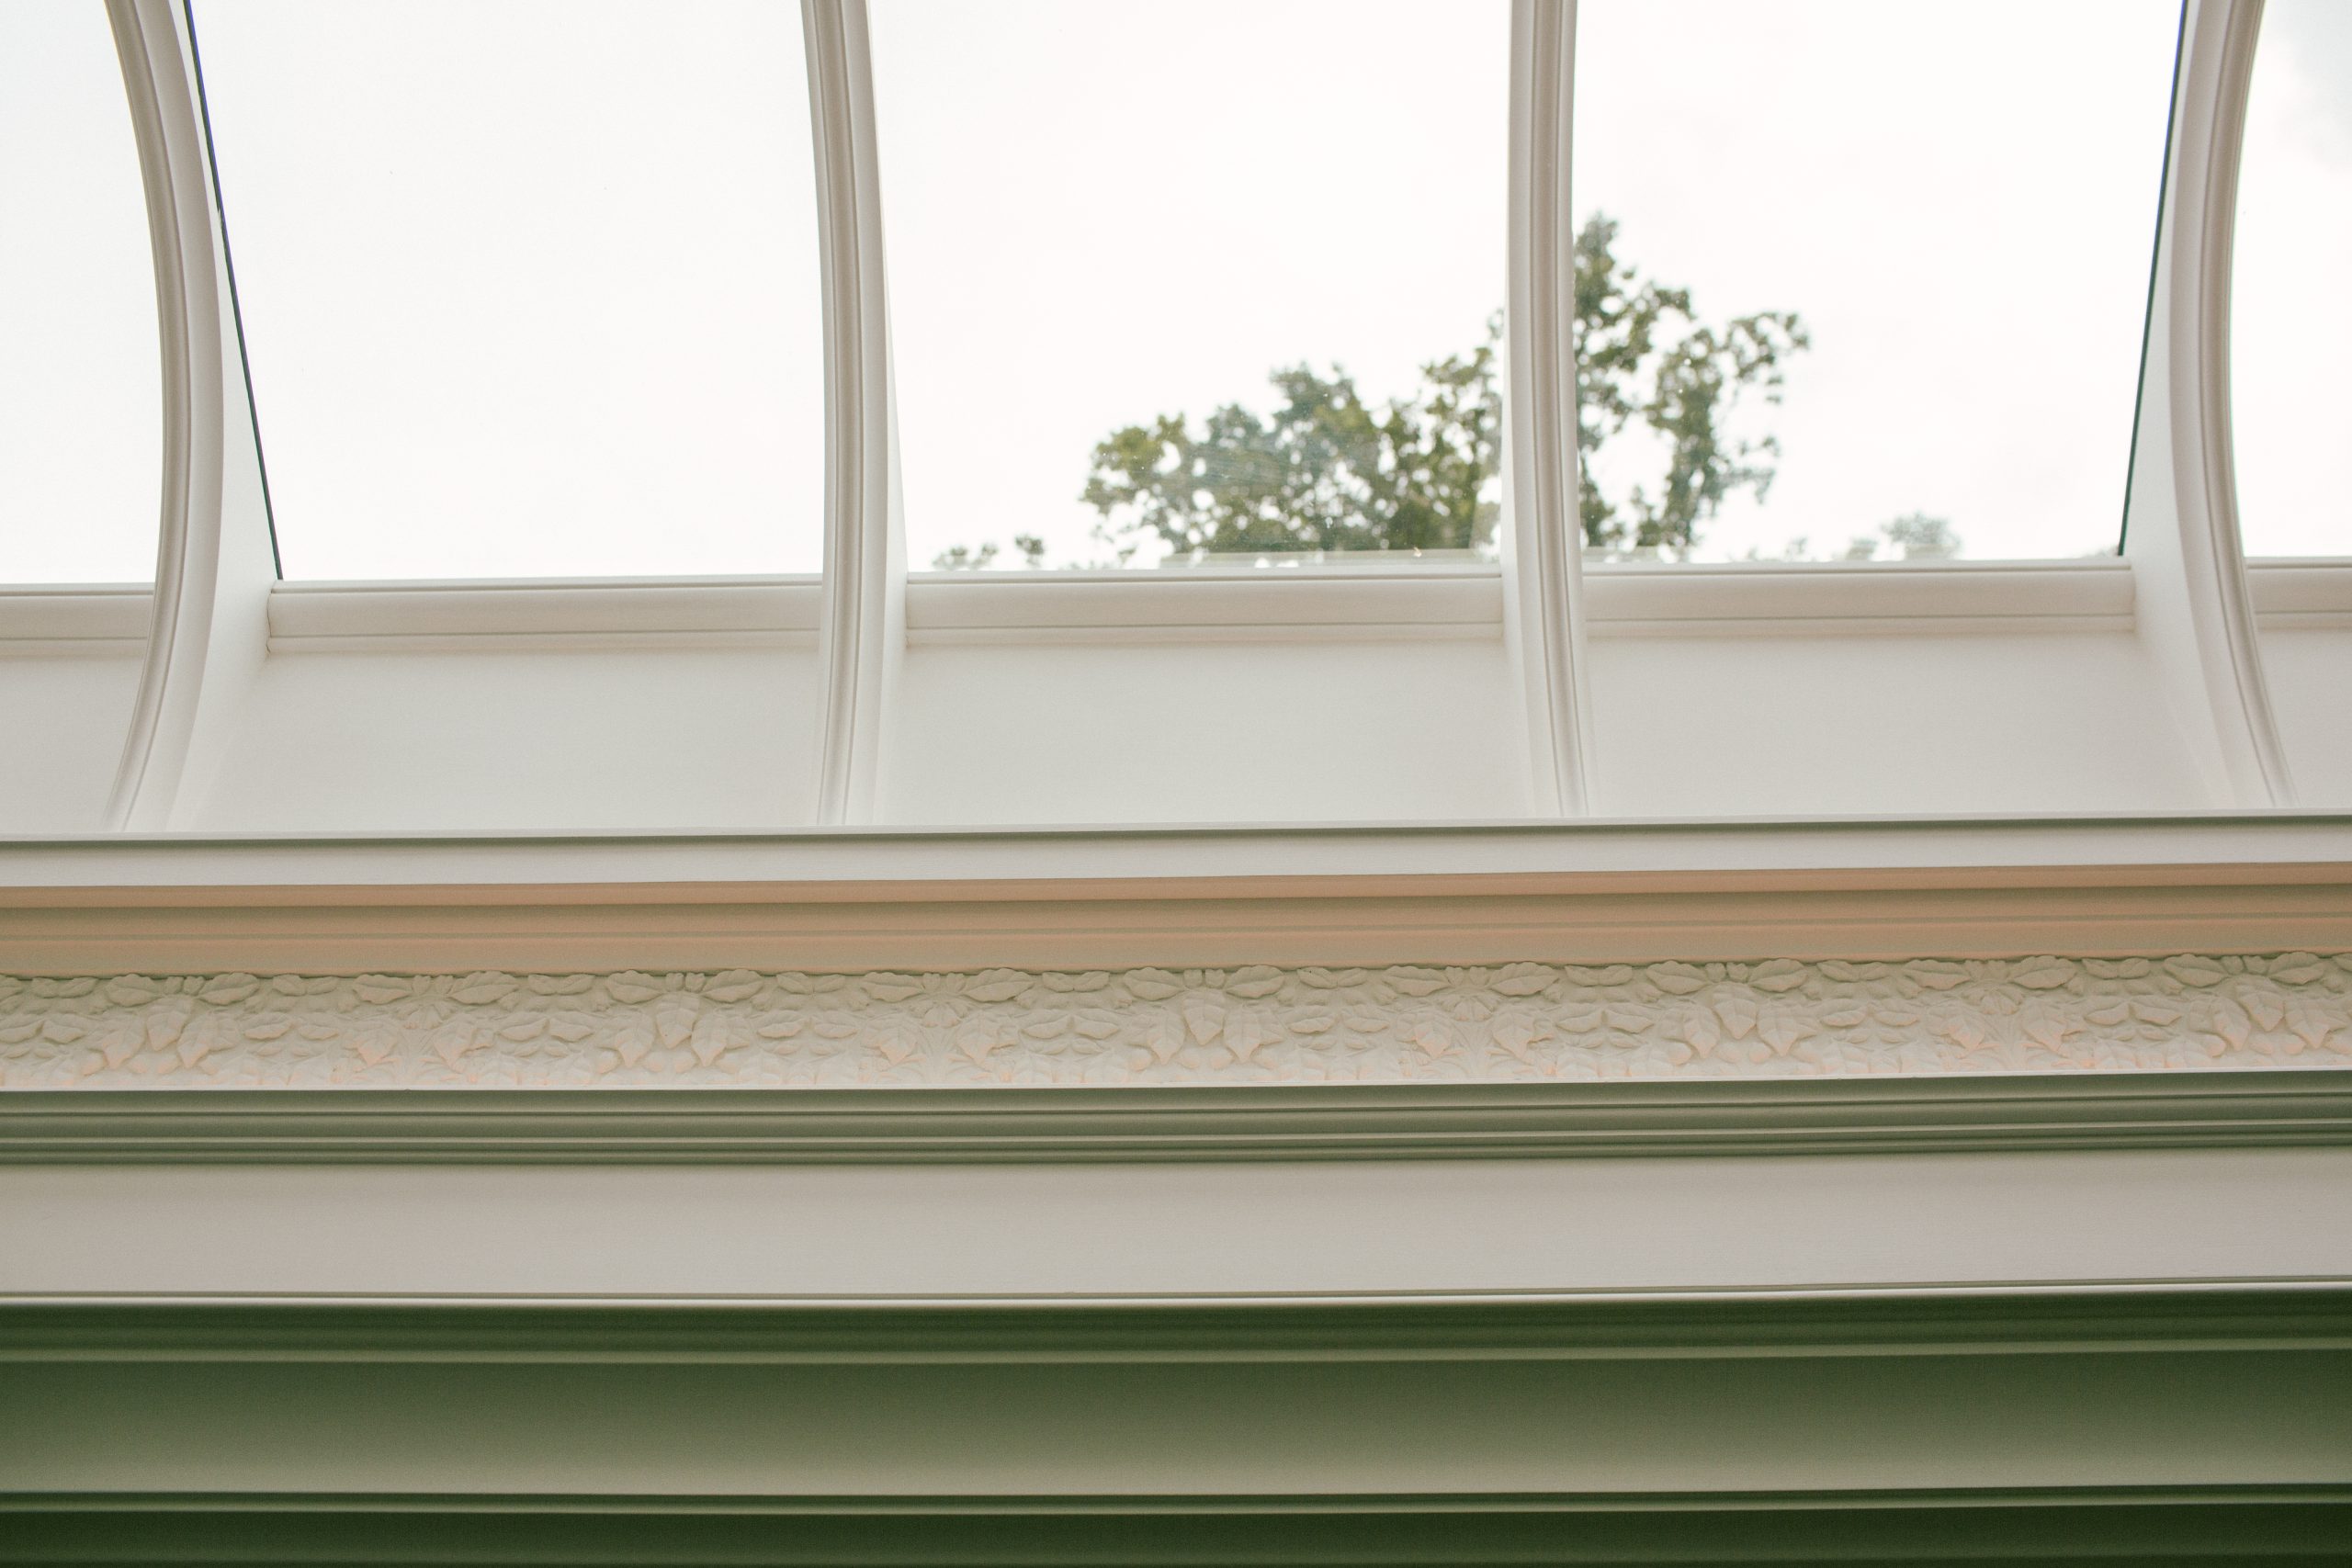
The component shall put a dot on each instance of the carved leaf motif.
(2311, 1022)
(2229, 1021)
(1523, 979)
(1676, 979)
(631, 987)
(1153, 984)
(2187, 1011)
(1414, 982)
(1738, 1014)
(1934, 974)
(483, 990)
(709, 1041)
(2042, 974)
(559, 985)
(732, 985)
(1781, 1026)
(997, 985)
(2192, 970)
(1519, 1036)
(2044, 1023)
(132, 990)
(1244, 1033)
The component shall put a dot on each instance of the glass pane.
(529, 288)
(2290, 331)
(81, 418)
(1168, 287)
(1914, 241)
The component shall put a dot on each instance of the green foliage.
(1645, 362)
(1915, 535)
(962, 557)
(1918, 536)
(1325, 471)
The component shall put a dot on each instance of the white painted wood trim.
(1586, 892)
(2302, 595)
(1327, 603)
(151, 48)
(863, 627)
(550, 615)
(71, 620)
(2196, 615)
(1541, 542)
(1845, 598)
(1758, 855)
(1735, 599)
(215, 562)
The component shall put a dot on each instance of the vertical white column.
(864, 633)
(214, 562)
(1541, 542)
(2196, 619)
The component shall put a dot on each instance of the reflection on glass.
(2290, 327)
(81, 421)
(1864, 281)
(1195, 287)
(529, 289)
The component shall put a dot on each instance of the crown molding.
(489, 1127)
(1004, 1028)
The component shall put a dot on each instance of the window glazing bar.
(1540, 546)
(2195, 614)
(863, 626)
(215, 561)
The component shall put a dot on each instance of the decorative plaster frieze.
(1517, 1022)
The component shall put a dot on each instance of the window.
(80, 418)
(1915, 246)
(1162, 292)
(529, 289)
(2290, 334)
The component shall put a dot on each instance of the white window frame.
(218, 608)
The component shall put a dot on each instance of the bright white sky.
(2291, 314)
(531, 285)
(81, 412)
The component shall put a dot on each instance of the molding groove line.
(1516, 1022)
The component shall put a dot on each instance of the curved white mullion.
(214, 565)
(864, 626)
(2195, 615)
(1542, 568)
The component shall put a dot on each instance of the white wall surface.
(61, 722)
(1172, 1229)
(643, 738)
(1275, 732)
(1892, 723)
(2310, 673)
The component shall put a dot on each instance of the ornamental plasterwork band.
(1518, 1021)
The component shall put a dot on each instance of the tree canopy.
(1658, 388)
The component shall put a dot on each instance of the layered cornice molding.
(1149, 1025)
